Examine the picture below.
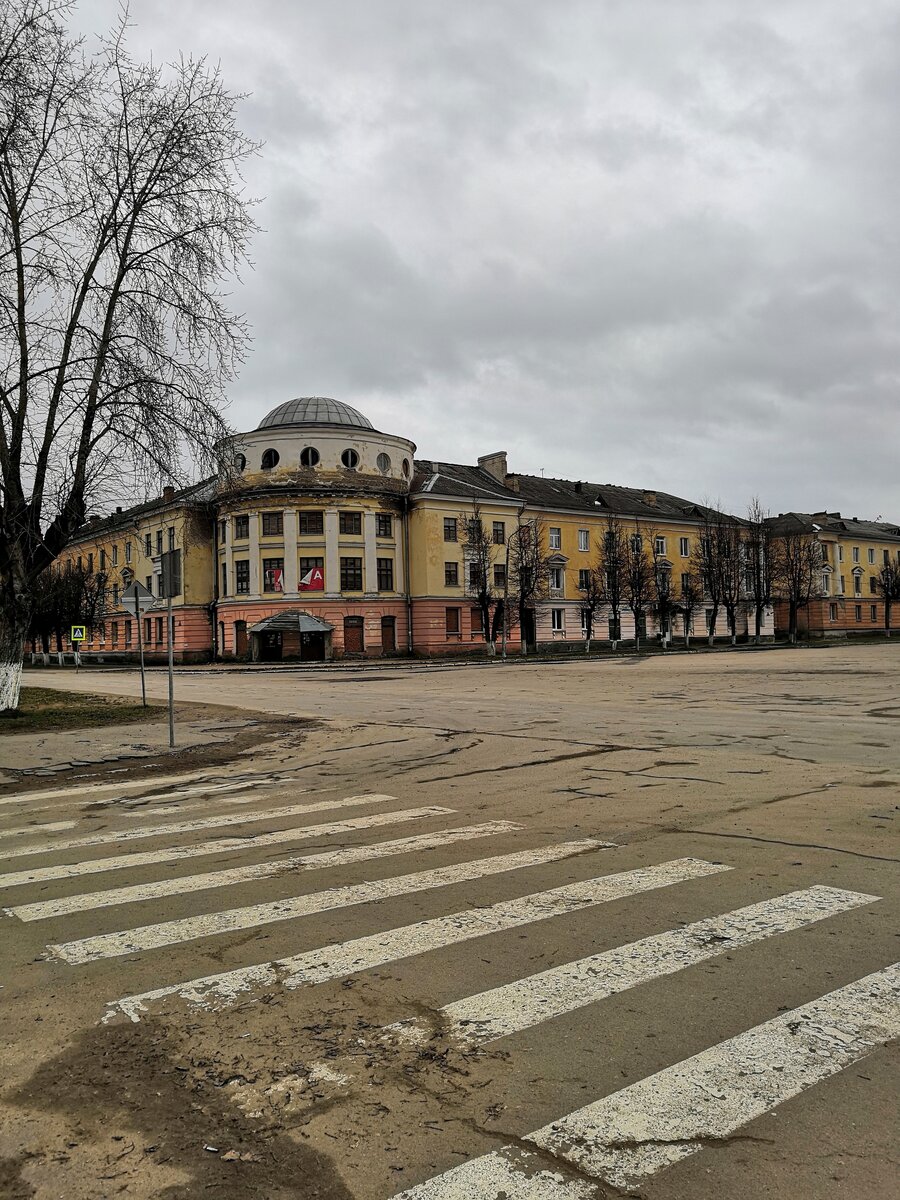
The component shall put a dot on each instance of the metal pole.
(171, 624)
(140, 616)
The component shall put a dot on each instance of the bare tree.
(708, 564)
(612, 565)
(731, 556)
(527, 574)
(63, 598)
(759, 563)
(662, 587)
(637, 580)
(592, 597)
(122, 215)
(479, 554)
(888, 584)
(798, 568)
(690, 602)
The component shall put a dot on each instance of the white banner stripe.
(148, 858)
(528, 1002)
(406, 941)
(44, 909)
(169, 933)
(217, 822)
(666, 1117)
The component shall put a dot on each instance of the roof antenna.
(542, 472)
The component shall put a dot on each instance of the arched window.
(350, 459)
(269, 459)
(240, 461)
(384, 463)
(309, 457)
(406, 467)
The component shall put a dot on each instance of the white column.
(332, 556)
(253, 524)
(290, 551)
(371, 552)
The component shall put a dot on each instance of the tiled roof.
(834, 523)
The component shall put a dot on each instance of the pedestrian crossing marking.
(217, 822)
(46, 827)
(122, 785)
(537, 998)
(406, 941)
(45, 909)
(664, 1118)
(252, 916)
(227, 845)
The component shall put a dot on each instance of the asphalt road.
(541, 932)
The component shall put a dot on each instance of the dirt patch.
(45, 709)
(12, 1185)
(131, 1103)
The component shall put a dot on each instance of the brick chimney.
(494, 464)
(650, 498)
(168, 494)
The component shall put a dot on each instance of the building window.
(171, 537)
(843, 584)
(871, 557)
(273, 574)
(240, 461)
(224, 579)
(159, 541)
(148, 631)
(115, 555)
(148, 545)
(223, 532)
(351, 575)
(856, 554)
(584, 539)
(450, 529)
(273, 524)
(350, 459)
(684, 547)
(149, 582)
(474, 576)
(312, 523)
(242, 576)
(115, 595)
(555, 538)
(476, 622)
(584, 579)
(557, 619)
(114, 630)
(886, 556)
(383, 462)
(384, 525)
(127, 633)
(312, 577)
(451, 574)
(269, 460)
(451, 618)
(659, 545)
(873, 585)
(499, 575)
(556, 579)
(832, 612)
(102, 560)
(825, 585)
(499, 533)
(385, 574)
(241, 527)
(350, 523)
(873, 612)
(857, 608)
(857, 585)
(90, 565)
(159, 630)
(685, 582)
(128, 552)
(309, 457)
(709, 616)
(840, 553)
(636, 542)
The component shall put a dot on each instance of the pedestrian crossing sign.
(78, 633)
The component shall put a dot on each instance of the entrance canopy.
(294, 621)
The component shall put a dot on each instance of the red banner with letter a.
(313, 580)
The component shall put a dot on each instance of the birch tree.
(759, 563)
(637, 580)
(888, 584)
(122, 218)
(690, 602)
(479, 553)
(612, 565)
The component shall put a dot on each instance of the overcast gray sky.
(643, 242)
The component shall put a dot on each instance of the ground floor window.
(858, 611)
(874, 612)
(114, 632)
(127, 633)
(557, 619)
(615, 630)
(640, 625)
(159, 630)
(709, 620)
(452, 622)
(148, 630)
(832, 612)
(477, 622)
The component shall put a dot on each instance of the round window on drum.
(350, 459)
(406, 467)
(269, 459)
(240, 461)
(384, 463)
(309, 457)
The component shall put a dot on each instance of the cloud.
(635, 242)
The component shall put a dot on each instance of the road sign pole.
(171, 623)
(140, 621)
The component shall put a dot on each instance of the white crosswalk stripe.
(36, 830)
(45, 909)
(227, 845)
(123, 785)
(252, 916)
(537, 998)
(638, 1131)
(360, 954)
(223, 819)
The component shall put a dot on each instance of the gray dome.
(314, 410)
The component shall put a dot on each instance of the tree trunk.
(13, 635)
(759, 613)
